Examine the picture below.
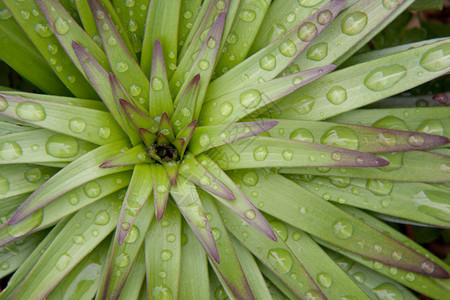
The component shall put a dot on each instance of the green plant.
(233, 110)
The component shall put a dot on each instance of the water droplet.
(268, 62)
(4, 266)
(104, 132)
(340, 136)
(291, 17)
(288, 154)
(260, 153)
(396, 255)
(3, 103)
(221, 4)
(427, 267)
(122, 260)
(280, 260)
(203, 64)
(304, 104)
(354, 23)
(384, 77)
(308, 3)
(388, 291)
(296, 236)
(318, 51)
(10, 151)
(161, 188)
(77, 125)
(341, 182)
(302, 134)
(88, 214)
(250, 214)
(250, 98)
(415, 140)
(204, 180)
(73, 199)
(78, 239)
(342, 229)
(94, 233)
(25, 14)
(33, 175)
(216, 233)
(410, 277)
(157, 84)
(288, 48)
(204, 140)
(5, 14)
(276, 31)
(102, 218)
(226, 109)
(92, 189)
(132, 26)
(61, 26)
(171, 238)
(63, 262)
(62, 146)
(26, 225)
(324, 17)
(132, 235)
(247, 15)
(43, 30)
(324, 280)
(427, 126)
(121, 66)
(280, 229)
(437, 58)
(30, 111)
(359, 277)
(307, 32)
(390, 4)
(380, 187)
(250, 178)
(337, 95)
(165, 255)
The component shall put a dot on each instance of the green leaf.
(186, 106)
(425, 5)
(134, 156)
(275, 255)
(229, 269)
(417, 202)
(48, 46)
(87, 19)
(239, 103)
(18, 179)
(81, 283)
(132, 288)
(194, 280)
(161, 24)
(364, 83)
(137, 117)
(416, 166)
(138, 193)
(241, 205)
(262, 152)
(183, 137)
(355, 137)
(22, 56)
(207, 137)
(172, 171)
(85, 230)
(194, 171)
(22, 272)
(78, 172)
(121, 257)
(161, 189)
(163, 254)
(67, 30)
(190, 12)
(91, 125)
(122, 62)
(188, 201)
(160, 100)
(268, 62)
(302, 209)
(41, 145)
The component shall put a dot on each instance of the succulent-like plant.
(227, 157)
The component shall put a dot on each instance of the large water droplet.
(165, 255)
(342, 229)
(122, 260)
(260, 153)
(61, 26)
(250, 98)
(268, 62)
(276, 31)
(92, 189)
(390, 4)
(78, 239)
(171, 238)
(26, 225)
(390, 122)
(324, 280)
(4, 185)
(302, 134)
(304, 104)
(388, 291)
(324, 17)
(102, 218)
(280, 229)
(226, 108)
(10, 151)
(340, 136)
(280, 260)
(431, 127)
(63, 262)
(4, 266)
(5, 14)
(380, 187)
(3, 103)
(104, 132)
(288, 154)
(384, 77)
(341, 182)
(437, 58)
(337, 95)
(354, 23)
(61, 146)
(308, 3)
(288, 48)
(307, 32)
(43, 30)
(121, 66)
(318, 51)
(247, 15)
(30, 111)
(250, 178)
(33, 175)
(162, 292)
(203, 64)
(77, 125)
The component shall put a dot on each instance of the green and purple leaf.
(161, 189)
(134, 156)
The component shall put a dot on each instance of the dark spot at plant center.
(166, 152)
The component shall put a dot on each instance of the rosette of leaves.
(198, 149)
